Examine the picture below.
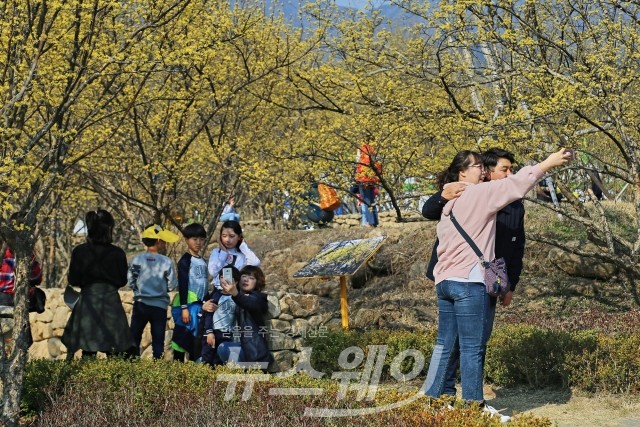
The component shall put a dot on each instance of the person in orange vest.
(367, 176)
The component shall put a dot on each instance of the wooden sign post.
(341, 259)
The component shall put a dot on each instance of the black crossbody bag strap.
(467, 238)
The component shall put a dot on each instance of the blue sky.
(355, 3)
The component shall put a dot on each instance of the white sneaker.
(493, 412)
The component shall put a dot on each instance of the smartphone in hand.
(572, 152)
(227, 274)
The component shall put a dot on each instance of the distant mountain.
(291, 10)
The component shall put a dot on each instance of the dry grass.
(568, 409)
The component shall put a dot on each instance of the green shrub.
(326, 350)
(158, 393)
(143, 378)
(43, 380)
(516, 355)
(112, 392)
(609, 364)
(521, 354)
(400, 341)
(132, 392)
(585, 360)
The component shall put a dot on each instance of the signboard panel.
(340, 258)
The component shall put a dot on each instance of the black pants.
(140, 316)
(6, 299)
(210, 354)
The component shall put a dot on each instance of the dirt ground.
(567, 410)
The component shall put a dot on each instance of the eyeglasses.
(480, 166)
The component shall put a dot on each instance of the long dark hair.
(235, 226)
(100, 225)
(461, 161)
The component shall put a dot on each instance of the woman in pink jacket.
(462, 299)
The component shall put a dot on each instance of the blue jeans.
(454, 363)
(141, 315)
(225, 349)
(463, 317)
(369, 213)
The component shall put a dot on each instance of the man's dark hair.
(492, 155)
(194, 230)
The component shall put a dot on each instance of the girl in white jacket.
(231, 250)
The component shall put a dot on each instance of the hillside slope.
(396, 294)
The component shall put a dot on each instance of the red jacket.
(8, 270)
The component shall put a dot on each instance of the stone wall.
(297, 308)
(291, 317)
(386, 218)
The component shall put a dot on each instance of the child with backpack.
(192, 289)
(367, 176)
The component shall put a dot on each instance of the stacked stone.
(387, 219)
(291, 317)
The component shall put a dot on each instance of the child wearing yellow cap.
(152, 275)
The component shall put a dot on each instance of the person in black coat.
(98, 322)
(251, 309)
(510, 237)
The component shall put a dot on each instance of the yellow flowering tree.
(194, 118)
(355, 90)
(61, 74)
(534, 76)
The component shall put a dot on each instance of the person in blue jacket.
(510, 237)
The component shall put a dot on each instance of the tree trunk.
(13, 364)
